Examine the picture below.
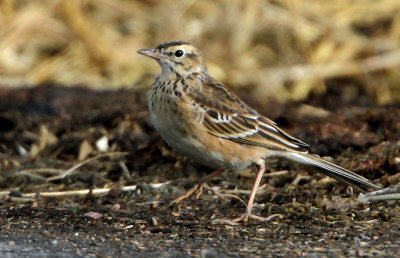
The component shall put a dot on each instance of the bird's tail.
(330, 169)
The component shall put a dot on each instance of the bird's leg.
(198, 189)
(249, 207)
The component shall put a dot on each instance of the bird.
(202, 119)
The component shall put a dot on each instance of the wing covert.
(226, 116)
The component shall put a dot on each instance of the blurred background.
(73, 116)
(286, 49)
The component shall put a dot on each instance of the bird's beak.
(151, 53)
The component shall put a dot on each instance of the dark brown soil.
(45, 127)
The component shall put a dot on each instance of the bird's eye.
(179, 53)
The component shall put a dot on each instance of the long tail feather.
(331, 170)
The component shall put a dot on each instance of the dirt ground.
(47, 130)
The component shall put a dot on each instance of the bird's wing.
(226, 116)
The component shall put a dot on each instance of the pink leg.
(261, 171)
(248, 214)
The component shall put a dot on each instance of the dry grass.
(283, 48)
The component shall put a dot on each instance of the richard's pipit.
(200, 118)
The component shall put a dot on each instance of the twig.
(237, 191)
(386, 194)
(223, 195)
(83, 163)
(299, 177)
(277, 173)
(96, 191)
(377, 198)
(40, 171)
(125, 171)
(31, 176)
(387, 190)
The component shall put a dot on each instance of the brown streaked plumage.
(200, 118)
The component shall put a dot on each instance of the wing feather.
(226, 116)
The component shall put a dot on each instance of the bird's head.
(178, 57)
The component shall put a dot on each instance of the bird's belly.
(184, 141)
